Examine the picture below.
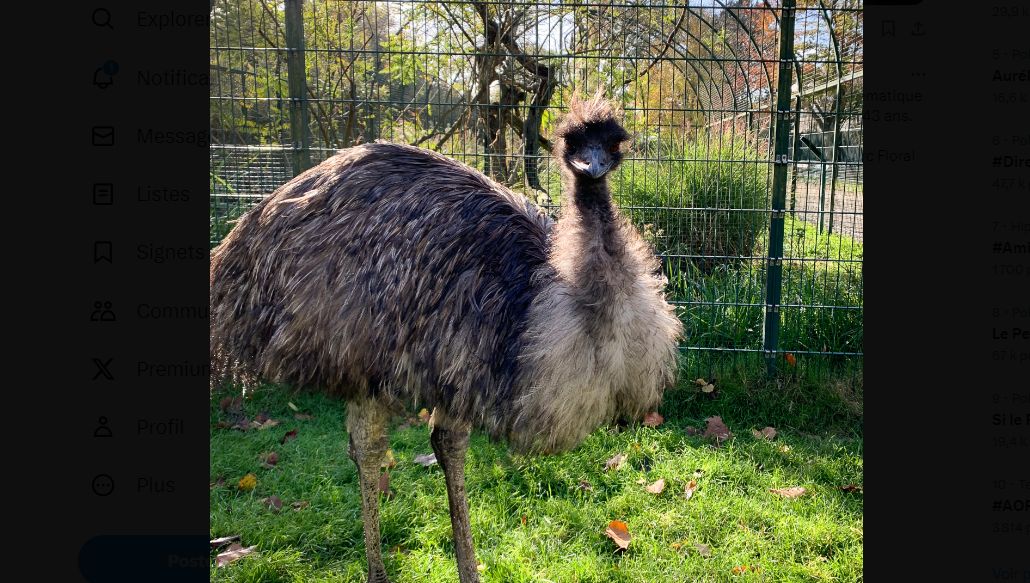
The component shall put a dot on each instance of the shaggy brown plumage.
(393, 276)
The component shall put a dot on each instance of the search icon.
(102, 17)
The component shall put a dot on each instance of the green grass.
(817, 537)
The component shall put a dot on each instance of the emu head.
(590, 138)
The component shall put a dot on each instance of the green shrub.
(706, 203)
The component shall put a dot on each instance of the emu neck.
(588, 246)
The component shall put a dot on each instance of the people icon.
(103, 430)
(102, 312)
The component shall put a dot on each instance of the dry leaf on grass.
(291, 434)
(248, 482)
(705, 386)
(585, 486)
(653, 419)
(384, 485)
(218, 483)
(703, 550)
(233, 553)
(851, 488)
(231, 404)
(303, 416)
(292, 406)
(791, 359)
(618, 531)
(767, 433)
(615, 462)
(274, 503)
(224, 540)
(657, 487)
(300, 505)
(793, 492)
(688, 490)
(745, 568)
(715, 428)
(268, 460)
(388, 460)
(426, 460)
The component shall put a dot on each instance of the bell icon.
(103, 77)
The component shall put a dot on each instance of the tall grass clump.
(702, 202)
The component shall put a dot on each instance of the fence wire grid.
(744, 172)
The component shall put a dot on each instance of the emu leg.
(366, 424)
(450, 447)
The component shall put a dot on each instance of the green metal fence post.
(781, 150)
(297, 79)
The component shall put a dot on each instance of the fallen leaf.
(657, 487)
(791, 360)
(292, 406)
(616, 462)
(423, 415)
(273, 502)
(653, 419)
(700, 382)
(641, 481)
(234, 552)
(689, 489)
(248, 482)
(218, 483)
(851, 488)
(241, 424)
(525, 519)
(268, 424)
(303, 416)
(675, 546)
(618, 531)
(703, 550)
(707, 388)
(789, 492)
(231, 404)
(585, 486)
(261, 417)
(384, 484)
(717, 429)
(426, 460)
(739, 569)
(389, 461)
(291, 434)
(223, 425)
(224, 540)
(268, 460)
(767, 433)
(300, 505)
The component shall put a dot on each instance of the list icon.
(103, 193)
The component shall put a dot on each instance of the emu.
(392, 277)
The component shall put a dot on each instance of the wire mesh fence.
(745, 169)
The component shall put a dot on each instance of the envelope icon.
(103, 135)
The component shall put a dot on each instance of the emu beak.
(596, 162)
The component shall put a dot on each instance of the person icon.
(102, 312)
(103, 430)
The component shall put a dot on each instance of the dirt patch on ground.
(847, 206)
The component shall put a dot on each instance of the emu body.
(393, 276)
